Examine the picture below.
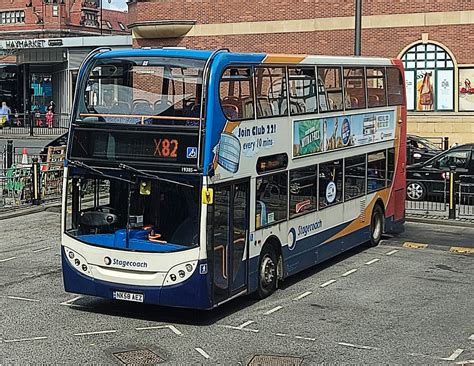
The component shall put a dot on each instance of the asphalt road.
(389, 304)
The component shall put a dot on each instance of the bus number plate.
(127, 296)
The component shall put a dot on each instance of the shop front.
(39, 86)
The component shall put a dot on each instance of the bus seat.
(142, 107)
(231, 111)
(374, 100)
(164, 108)
(354, 102)
(122, 108)
(264, 107)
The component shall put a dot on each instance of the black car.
(431, 177)
(420, 149)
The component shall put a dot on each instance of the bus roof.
(252, 57)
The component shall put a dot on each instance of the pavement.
(397, 303)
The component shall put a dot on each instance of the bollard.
(9, 157)
(445, 143)
(36, 182)
(452, 194)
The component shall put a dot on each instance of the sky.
(115, 4)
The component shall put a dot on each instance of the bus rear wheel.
(376, 225)
(267, 272)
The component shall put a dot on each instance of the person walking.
(5, 112)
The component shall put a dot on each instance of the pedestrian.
(4, 114)
(49, 117)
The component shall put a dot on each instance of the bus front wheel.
(376, 226)
(267, 272)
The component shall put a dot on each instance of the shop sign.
(26, 43)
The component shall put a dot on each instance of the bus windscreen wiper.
(80, 164)
(151, 176)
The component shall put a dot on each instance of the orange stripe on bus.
(357, 223)
(283, 59)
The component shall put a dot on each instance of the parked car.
(430, 178)
(420, 149)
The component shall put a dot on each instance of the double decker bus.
(193, 177)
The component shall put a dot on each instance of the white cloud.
(115, 4)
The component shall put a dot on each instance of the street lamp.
(358, 27)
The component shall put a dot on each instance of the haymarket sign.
(32, 43)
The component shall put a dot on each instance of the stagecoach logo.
(292, 239)
(124, 263)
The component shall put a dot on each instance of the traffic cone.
(24, 157)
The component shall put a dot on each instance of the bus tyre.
(376, 226)
(267, 272)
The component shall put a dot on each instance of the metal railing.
(438, 199)
(35, 124)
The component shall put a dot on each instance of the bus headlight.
(180, 273)
(77, 261)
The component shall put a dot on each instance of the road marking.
(201, 351)
(174, 330)
(170, 327)
(281, 334)
(412, 245)
(98, 332)
(7, 259)
(22, 298)
(349, 272)
(454, 355)
(24, 339)
(41, 250)
(461, 250)
(242, 326)
(271, 311)
(355, 345)
(467, 362)
(304, 294)
(239, 328)
(372, 261)
(392, 252)
(305, 338)
(70, 302)
(471, 337)
(327, 283)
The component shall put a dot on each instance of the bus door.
(229, 239)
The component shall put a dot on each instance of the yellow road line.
(413, 245)
(461, 250)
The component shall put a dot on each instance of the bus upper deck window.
(376, 87)
(330, 90)
(270, 83)
(236, 93)
(354, 87)
(394, 86)
(302, 90)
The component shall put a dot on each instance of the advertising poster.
(424, 90)
(307, 136)
(466, 89)
(326, 134)
(445, 90)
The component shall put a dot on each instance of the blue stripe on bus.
(193, 293)
(215, 119)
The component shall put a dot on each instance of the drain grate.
(138, 357)
(269, 360)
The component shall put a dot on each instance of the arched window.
(429, 74)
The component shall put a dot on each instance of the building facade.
(42, 44)
(433, 37)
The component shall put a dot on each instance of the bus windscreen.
(141, 91)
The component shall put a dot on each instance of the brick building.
(42, 43)
(433, 37)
